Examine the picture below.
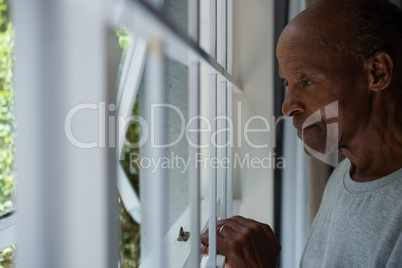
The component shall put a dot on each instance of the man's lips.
(304, 127)
(304, 131)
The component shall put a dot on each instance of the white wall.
(253, 66)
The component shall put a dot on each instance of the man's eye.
(285, 82)
(307, 83)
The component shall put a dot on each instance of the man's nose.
(292, 104)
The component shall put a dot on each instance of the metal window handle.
(183, 236)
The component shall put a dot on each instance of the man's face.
(326, 88)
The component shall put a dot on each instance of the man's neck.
(376, 150)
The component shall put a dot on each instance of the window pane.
(7, 257)
(7, 117)
(176, 13)
(129, 229)
(175, 156)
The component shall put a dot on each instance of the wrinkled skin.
(245, 243)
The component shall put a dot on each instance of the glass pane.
(129, 229)
(176, 12)
(175, 156)
(139, 166)
(142, 164)
(7, 116)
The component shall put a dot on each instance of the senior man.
(348, 53)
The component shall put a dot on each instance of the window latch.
(183, 236)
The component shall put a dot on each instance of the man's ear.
(379, 70)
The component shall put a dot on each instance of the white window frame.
(146, 22)
(7, 230)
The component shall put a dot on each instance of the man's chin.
(313, 153)
(315, 149)
(314, 140)
(327, 155)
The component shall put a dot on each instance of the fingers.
(205, 238)
(232, 225)
(219, 224)
(267, 229)
(244, 242)
(221, 244)
(245, 222)
(232, 228)
(204, 251)
(250, 223)
(226, 231)
(235, 223)
(220, 241)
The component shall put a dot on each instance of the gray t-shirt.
(359, 224)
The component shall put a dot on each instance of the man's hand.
(245, 243)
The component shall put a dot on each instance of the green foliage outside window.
(7, 257)
(7, 118)
(7, 122)
(130, 230)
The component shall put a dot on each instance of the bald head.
(358, 27)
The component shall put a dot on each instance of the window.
(67, 175)
(131, 59)
(197, 88)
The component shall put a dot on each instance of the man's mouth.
(304, 130)
(304, 127)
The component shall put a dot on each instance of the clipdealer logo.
(110, 126)
(118, 124)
